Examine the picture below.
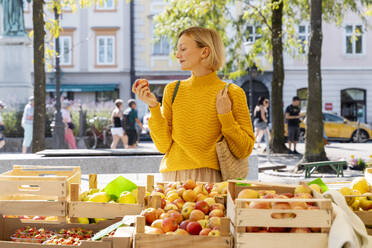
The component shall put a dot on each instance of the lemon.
(360, 184)
(83, 220)
(99, 219)
(134, 194)
(347, 191)
(127, 197)
(99, 197)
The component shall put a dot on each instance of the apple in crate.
(216, 213)
(214, 222)
(215, 233)
(150, 215)
(196, 215)
(169, 225)
(176, 215)
(194, 228)
(184, 224)
(205, 231)
(181, 232)
(189, 184)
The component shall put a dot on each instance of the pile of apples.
(359, 187)
(301, 192)
(187, 208)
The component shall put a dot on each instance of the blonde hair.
(206, 37)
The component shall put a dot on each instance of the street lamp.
(59, 126)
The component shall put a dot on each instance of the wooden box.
(123, 237)
(241, 217)
(143, 240)
(37, 190)
(108, 210)
(8, 226)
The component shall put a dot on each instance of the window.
(353, 104)
(105, 96)
(354, 39)
(253, 33)
(332, 118)
(302, 94)
(105, 50)
(65, 50)
(161, 47)
(303, 36)
(105, 5)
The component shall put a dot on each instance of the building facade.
(94, 52)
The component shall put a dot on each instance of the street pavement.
(335, 151)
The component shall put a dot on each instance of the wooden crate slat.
(365, 216)
(33, 208)
(46, 188)
(102, 210)
(184, 241)
(304, 218)
(281, 240)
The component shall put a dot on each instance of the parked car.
(338, 128)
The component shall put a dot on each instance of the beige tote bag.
(230, 166)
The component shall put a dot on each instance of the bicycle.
(98, 135)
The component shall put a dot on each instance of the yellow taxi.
(340, 129)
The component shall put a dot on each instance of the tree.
(278, 139)
(314, 133)
(38, 142)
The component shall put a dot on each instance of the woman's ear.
(205, 52)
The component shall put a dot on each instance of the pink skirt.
(69, 138)
(198, 175)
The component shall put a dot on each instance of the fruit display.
(31, 235)
(187, 208)
(359, 195)
(72, 236)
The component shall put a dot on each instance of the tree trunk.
(277, 142)
(38, 142)
(314, 146)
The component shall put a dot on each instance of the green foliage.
(235, 16)
(12, 122)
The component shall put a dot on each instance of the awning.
(82, 87)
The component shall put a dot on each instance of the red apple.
(150, 215)
(194, 228)
(189, 184)
(196, 215)
(179, 203)
(153, 230)
(277, 229)
(169, 224)
(159, 212)
(176, 215)
(260, 205)
(289, 195)
(214, 222)
(184, 224)
(216, 213)
(205, 231)
(202, 206)
(164, 215)
(163, 203)
(209, 187)
(157, 223)
(218, 206)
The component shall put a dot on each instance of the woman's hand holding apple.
(142, 90)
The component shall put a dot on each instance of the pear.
(127, 197)
(99, 197)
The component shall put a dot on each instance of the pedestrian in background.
(2, 127)
(117, 129)
(292, 115)
(262, 114)
(197, 112)
(27, 124)
(69, 126)
(130, 120)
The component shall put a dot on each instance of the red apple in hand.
(194, 228)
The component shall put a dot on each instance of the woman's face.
(266, 102)
(189, 54)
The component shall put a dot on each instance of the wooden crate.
(37, 190)
(108, 210)
(9, 225)
(241, 217)
(368, 175)
(143, 240)
(123, 237)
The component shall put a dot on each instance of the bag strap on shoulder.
(175, 91)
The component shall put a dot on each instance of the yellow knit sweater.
(187, 130)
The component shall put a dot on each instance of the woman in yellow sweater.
(202, 110)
